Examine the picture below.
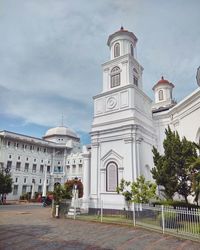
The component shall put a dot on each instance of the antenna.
(62, 119)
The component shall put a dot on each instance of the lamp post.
(44, 191)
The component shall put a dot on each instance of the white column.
(94, 169)
(86, 175)
(134, 160)
(86, 178)
(138, 143)
(44, 191)
(129, 159)
(33, 190)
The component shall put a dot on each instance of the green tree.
(171, 169)
(61, 192)
(184, 173)
(143, 191)
(65, 192)
(194, 165)
(125, 190)
(5, 183)
(164, 171)
(140, 191)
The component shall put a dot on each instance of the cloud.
(51, 53)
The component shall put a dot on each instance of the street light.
(33, 189)
(44, 191)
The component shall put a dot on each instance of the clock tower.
(122, 123)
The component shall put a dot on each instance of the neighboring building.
(126, 125)
(28, 158)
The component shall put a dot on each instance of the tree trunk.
(186, 200)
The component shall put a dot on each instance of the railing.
(180, 221)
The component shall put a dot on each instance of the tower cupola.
(122, 42)
(122, 69)
(163, 94)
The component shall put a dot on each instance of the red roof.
(121, 32)
(163, 81)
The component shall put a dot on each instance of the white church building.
(126, 125)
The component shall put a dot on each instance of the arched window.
(135, 77)
(111, 177)
(135, 80)
(116, 50)
(115, 77)
(132, 51)
(160, 95)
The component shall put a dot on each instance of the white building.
(28, 158)
(126, 125)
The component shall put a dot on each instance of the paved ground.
(31, 227)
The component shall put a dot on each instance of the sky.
(51, 53)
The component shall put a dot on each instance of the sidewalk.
(34, 228)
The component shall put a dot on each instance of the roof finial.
(198, 76)
(121, 27)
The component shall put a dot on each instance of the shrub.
(61, 193)
(25, 196)
(69, 185)
(175, 204)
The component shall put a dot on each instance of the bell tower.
(122, 123)
(123, 68)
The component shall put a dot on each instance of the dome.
(163, 81)
(120, 32)
(60, 131)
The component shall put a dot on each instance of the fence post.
(57, 211)
(74, 209)
(133, 206)
(163, 219)
(101, 210)
(52, 208)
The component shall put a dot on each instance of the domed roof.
(163, 81)
(122, 31)
(60, 131)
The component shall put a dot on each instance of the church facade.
(126, 125)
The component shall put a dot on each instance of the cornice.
(118, 89)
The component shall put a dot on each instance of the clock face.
(198, 76)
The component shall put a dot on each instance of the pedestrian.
(4, 199)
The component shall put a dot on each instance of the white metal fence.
(181, 221)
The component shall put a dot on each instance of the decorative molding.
(95, 144)
(106, 69)
(111, 153)
(139, 140)
(128, 140)
(111, 102)
(124, 62)
(124, 99)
